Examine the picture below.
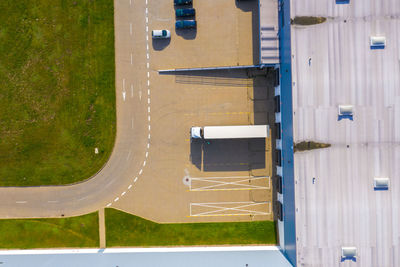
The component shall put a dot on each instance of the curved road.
(132, 145)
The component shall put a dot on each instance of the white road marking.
(130, 186)
(123, 84)
(123, 193)
(147, 10)
(147, 55)
(148, 91)
(148, 118)
(129, 154)
(148, 100)
(147, 154)
(146, 2)
(131, 90)
(20, 202)
(140, 95)
(141, 171)
(131, 59)
(149, 136)
(116, 199)
(147, 37)
(147, 46)
(148, 74)
(148, 144)
(132, 124)
(144, 163)
(149, 127)
(130, 28)
(147, 28)
(148, 66)
(109, 204)
(135, 180)
(147, 19)
(123, 95)
(148, 82)
(130, 2)
(148, 109)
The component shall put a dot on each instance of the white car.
(160, 34)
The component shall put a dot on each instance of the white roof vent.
(377, 42)
(349, 253)
(381, 183)
(345, 112)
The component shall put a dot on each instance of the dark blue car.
(185, 12)
(182, 2)
(185, 24)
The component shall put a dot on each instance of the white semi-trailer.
(229, 132)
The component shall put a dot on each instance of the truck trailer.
(229, 132)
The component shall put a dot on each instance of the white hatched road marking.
(220, 209)
(218, 182)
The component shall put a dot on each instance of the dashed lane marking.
(130, 186)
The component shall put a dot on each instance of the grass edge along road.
(57, 92)
(73, 232)
(124, 229)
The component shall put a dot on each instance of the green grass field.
(123, 229)
(81, 231)
(57, 90)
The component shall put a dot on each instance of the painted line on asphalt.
(132, 90)
(147, 154)
(148, 110)
(109, 204)
(141, 171)
(130, 186)
(148, 66)
(148, 74)
(131, 59)
(21, 202)
(132, 124)
(130, 28)
(135, 180)
(129, 154)
(116, 199)
(123, 193)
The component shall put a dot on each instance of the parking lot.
(225, 180)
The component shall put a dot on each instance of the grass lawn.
(81, 231)
(123, 229)
(57, 90)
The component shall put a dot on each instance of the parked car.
(185, 12)
(182, 2)
(156, 34)
(185, 24)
